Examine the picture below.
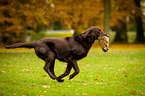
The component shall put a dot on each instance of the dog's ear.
(86, 33)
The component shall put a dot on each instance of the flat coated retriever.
(69, 49)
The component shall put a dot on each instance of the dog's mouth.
(105, 49)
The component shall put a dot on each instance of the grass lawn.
(118, 72)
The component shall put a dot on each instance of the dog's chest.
(79, 53)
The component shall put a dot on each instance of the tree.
(107, 16)
(120, 11)
(21, 17)
(121, 32)
(138, 23)
(79, 14)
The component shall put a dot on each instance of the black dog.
(69, 49)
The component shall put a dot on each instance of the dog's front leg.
(75, 67)
(67, 71)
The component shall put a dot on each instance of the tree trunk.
(121, 32)
(139, 23)
(106, 16)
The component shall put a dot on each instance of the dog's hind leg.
(51, 68)
(48, 65)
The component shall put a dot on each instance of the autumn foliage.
(22, 17)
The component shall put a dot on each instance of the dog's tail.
(21, 45)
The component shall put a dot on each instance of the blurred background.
(31, 20)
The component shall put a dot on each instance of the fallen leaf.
(77, 93)
(120, 77)
(96, 83)
(54, 91)
(86, 84)
(25, 70)
(43, 91)
(109, 84)
(44, 75)
(78, 77)
(96, 79)
(125, 75)
(131, 92)
(68, 85)
(102, 80)
(44, 83)
(121, 86)
(99, 83)
(143, 93)
(130, 62)
(23, 91)
(119, 69)
(88, 65)
(45, 86)
(125, 72)
(3, 71)
(131, 74)
(84, 94)
(125, 83)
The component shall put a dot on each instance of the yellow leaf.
(86, 84)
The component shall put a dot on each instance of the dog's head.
(95, 32)
(104, 42)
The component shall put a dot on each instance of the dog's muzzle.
(105, 49)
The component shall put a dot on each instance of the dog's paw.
(70, 77)
(60, 80)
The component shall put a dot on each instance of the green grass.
(58, 35)
(118, 72)
(131, 36)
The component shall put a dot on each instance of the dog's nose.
(105, 49)
(107, 35)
